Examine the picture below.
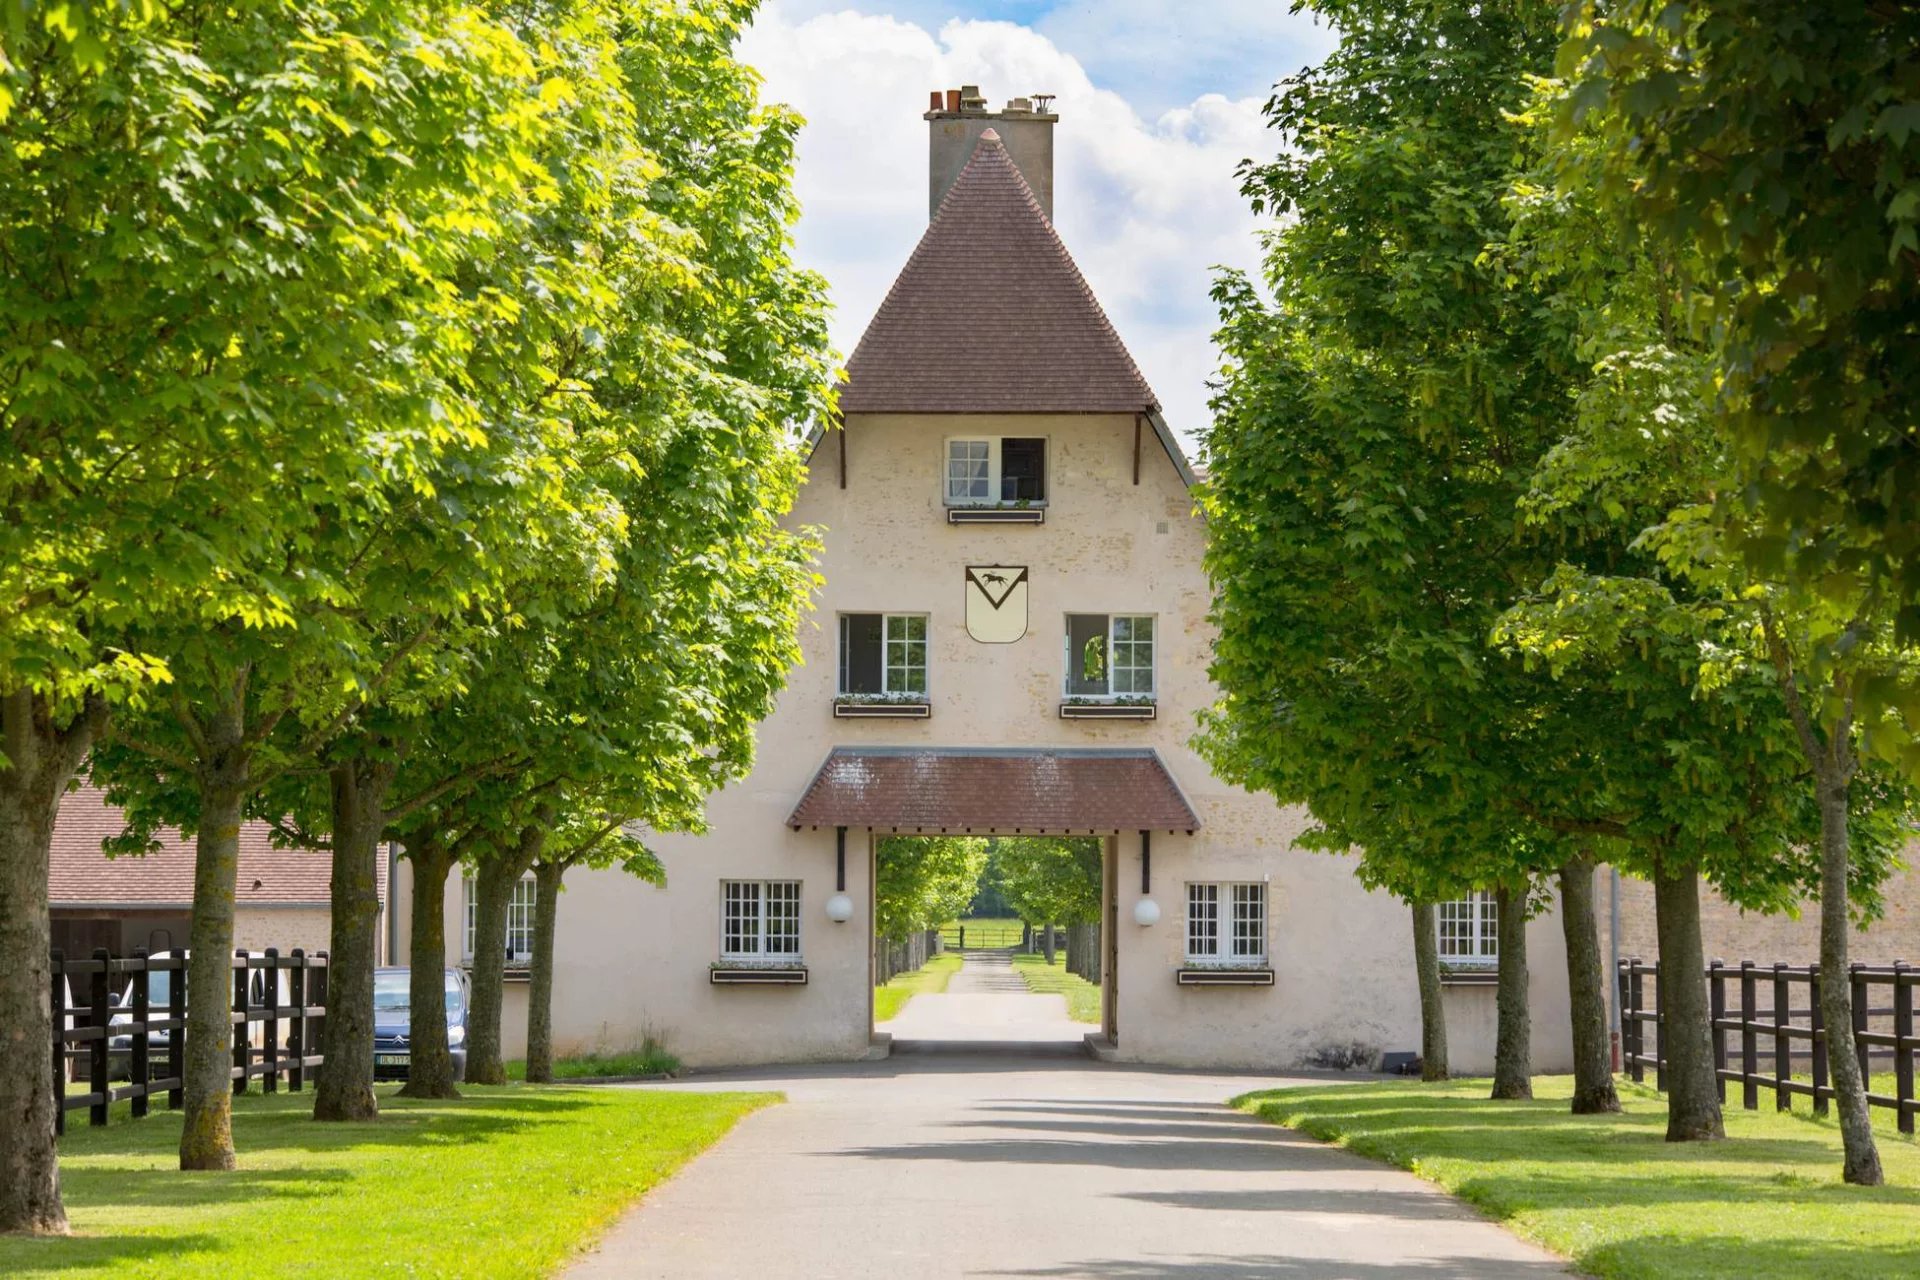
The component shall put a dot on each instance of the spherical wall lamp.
(1146, 913)
(839, 908)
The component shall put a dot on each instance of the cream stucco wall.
(632, 960)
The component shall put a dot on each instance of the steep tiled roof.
(1009, 791)
(84, 876)
(990, 315)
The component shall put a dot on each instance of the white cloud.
(1148, 207)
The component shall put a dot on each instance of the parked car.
(393, 1027)
(120, 1047)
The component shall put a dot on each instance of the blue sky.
(1158, 103)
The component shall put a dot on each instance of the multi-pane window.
(1470, 929)
(1227, 923)
(520, 908)
(996, 470)
(760, 919)
(1110, 655)
(883, 653)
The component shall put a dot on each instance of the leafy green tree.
(229, 215)
(921, 882)
(1050, 880)
(1744, 301)
(1374, 429)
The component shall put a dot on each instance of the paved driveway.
(947, 1165)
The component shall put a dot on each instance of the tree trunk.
(546, 913)
(345, 1091)
(494, 884)
(1593, 1092)
(1862, 1157)
(430, 1059)
(1433, 1009)
(1693, 1095)
(206, 1131)
(41, 758)
(1046, 942)
(1513, 1041)
(1094, 951)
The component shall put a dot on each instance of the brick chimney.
(957, 117)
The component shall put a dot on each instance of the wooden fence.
(104, 1037)
(1747, 1028)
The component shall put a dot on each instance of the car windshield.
(391, 995)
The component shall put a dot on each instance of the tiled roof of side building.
(990, 315)
(82, 875)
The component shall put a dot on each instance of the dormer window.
(996, 474)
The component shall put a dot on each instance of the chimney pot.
(953, 100)
(935, 99)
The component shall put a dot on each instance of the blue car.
(393, 1025)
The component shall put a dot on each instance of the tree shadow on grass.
(171, 1189)
(23, 1256)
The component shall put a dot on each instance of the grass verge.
(1083, 997)
(931, 977)
(507, 1182)
(649, 1059)
(1611, 1194)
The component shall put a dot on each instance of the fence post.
(1857, 980)
(1749, 1043)
(1903, 1045)
(177, 1037)
(1782, 1042)
(1716, 1015)
(138, 1071)
(1820, 1087)
(297, 1025)
(324, 976)
(240, 1027)
(270, 1043)
(101, 1016)
(1637, 1001)
(1660, 976)
(59, 1007)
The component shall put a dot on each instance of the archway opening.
(991, 941)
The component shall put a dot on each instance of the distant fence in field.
(982, 934)
(106, 1034)
(1787, 1033)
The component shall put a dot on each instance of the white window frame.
(1226, 923)
(520, 917)
(1152, 669)
(756, 942)
(994, 475)
(1468, 930)
(887, 641)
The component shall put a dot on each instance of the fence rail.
(1782, 1031)
(103, 1034)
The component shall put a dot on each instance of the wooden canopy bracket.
(1136, 448)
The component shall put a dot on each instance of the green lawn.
(507, 1182)
(1083, 997)
(1612, 1195)
(890, 998)
(982, 932)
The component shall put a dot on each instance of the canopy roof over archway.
(1001, 790)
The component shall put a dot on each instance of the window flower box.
(756, 973)
(1108, 709)
(1016, 514)
(1220, 975)
(1486, 975)
(881, 706)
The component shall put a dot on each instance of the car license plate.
(390, 1060)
